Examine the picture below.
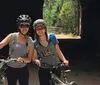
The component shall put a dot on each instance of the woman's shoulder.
(10, 35)
(53, 39)
(13, 33)
(30, 40)
(51, 34)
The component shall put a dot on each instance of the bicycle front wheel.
(73, 83)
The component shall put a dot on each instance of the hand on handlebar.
(66, 62)
(20, 60)
(37, 62)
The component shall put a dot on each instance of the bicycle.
(60, 80)
(3, 67)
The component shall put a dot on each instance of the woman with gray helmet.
(48, 51)
(20, 47)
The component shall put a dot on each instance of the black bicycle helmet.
(39, 22)
(23, 20)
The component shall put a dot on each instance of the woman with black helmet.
(20, 47)
(48, 51)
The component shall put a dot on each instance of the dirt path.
(62, 36)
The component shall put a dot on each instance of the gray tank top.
(15, 50)
(48, 54)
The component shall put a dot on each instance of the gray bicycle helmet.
(23, 20)
(39, 22)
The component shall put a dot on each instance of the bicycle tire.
(73, 83)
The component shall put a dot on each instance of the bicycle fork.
(56, 80)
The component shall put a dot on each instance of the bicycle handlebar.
(8, 60)
(59, 65)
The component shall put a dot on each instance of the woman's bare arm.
(30, 54)
(5, 41)
(60, 54)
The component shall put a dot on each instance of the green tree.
(61, 13)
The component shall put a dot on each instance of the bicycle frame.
(61, 81)
(56, 80)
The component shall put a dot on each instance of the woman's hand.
(66, 62)
(20, 60)
(37, 62)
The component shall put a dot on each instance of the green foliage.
(61, 13)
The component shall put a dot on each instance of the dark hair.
(37, 37)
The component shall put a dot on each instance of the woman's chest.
(20, 48)
(46, 51)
